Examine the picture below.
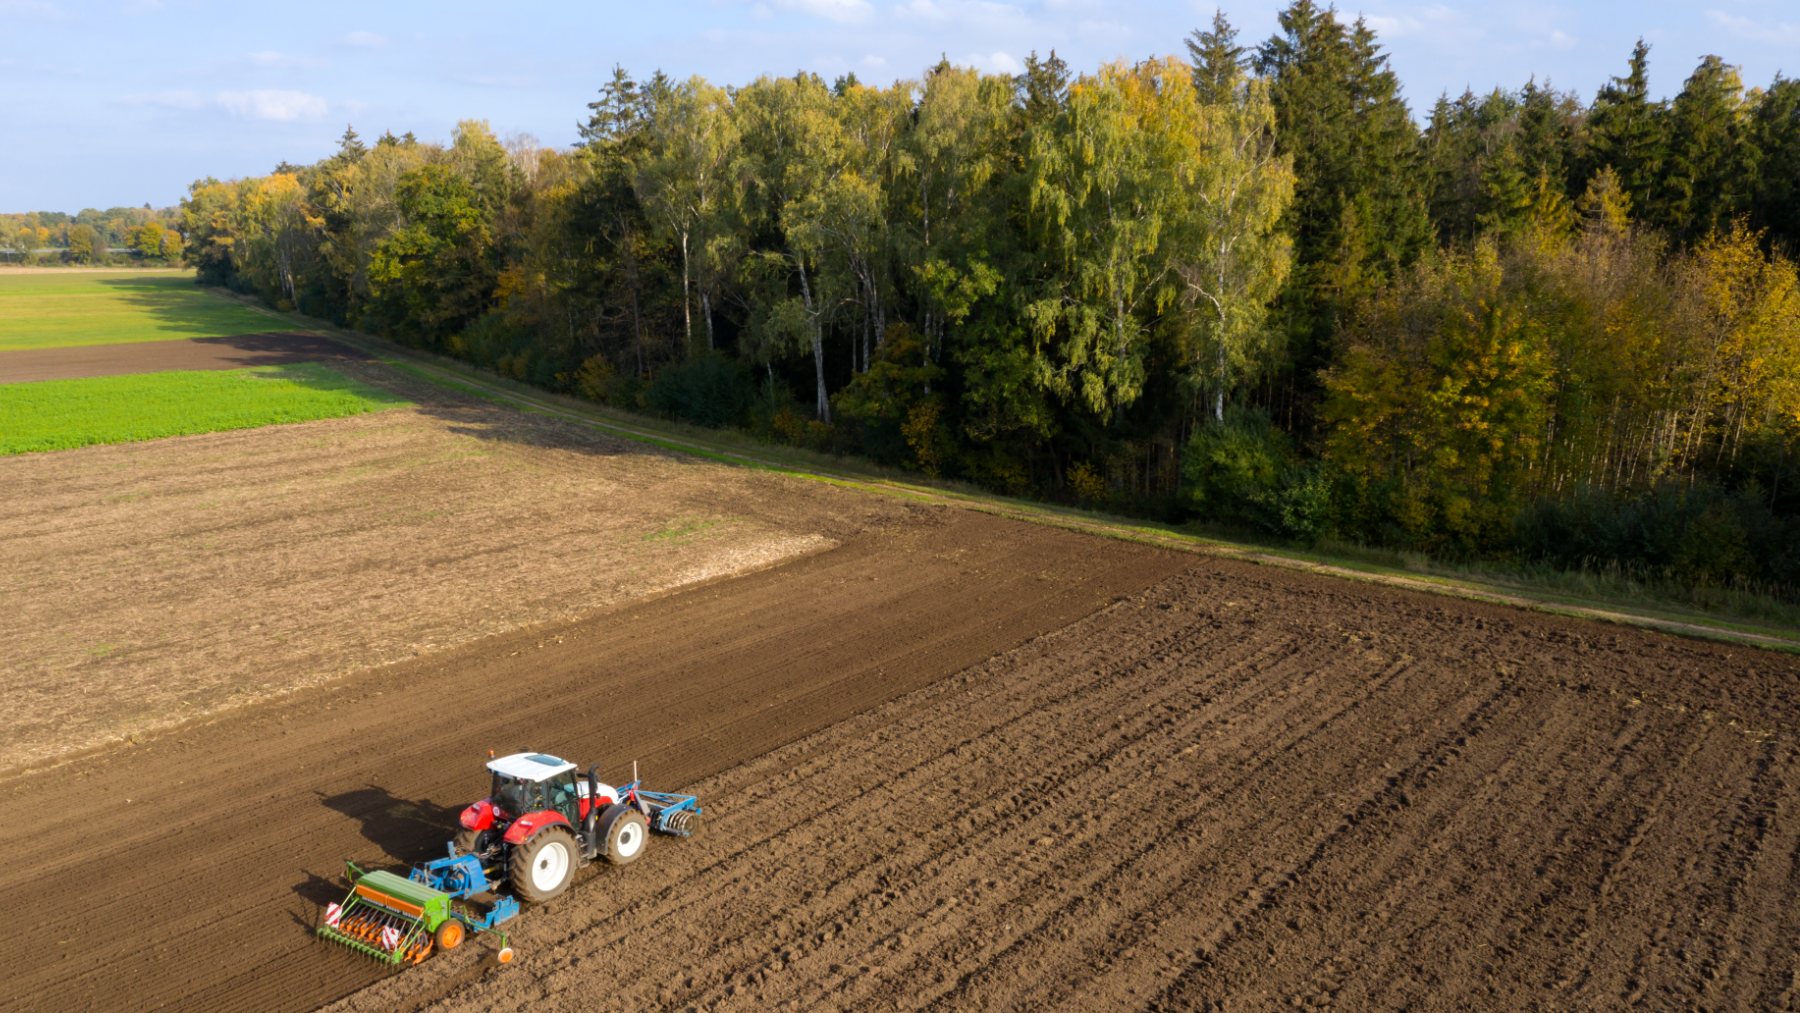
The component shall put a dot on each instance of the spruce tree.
(1217, 59)
(1359, 209)
(1706, 174)
(1775, 141)
(1625, 130)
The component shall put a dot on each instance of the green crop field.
(52, 309)
(62, 414)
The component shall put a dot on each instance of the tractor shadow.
(405, 829)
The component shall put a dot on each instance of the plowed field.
(1199, 782)
(948, 760)
(1234, 789)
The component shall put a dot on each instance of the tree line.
(1244, 286)
(115, 235)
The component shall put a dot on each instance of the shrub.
(1703, 535)
(709, 389)
(1246, 472)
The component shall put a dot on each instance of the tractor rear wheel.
(472, 842)
(624, 830)
(543, 867)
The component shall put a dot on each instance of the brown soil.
(188, 870)
(150, 583)
(1238, 788)
(237, 352)
(954, 760)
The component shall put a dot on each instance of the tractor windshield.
(516, 795)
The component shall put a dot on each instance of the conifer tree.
(1625, 129)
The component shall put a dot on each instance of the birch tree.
(1105, 183)
(1233, 257)
(686, 184)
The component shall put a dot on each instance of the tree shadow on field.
(175, 303)
(179, 304)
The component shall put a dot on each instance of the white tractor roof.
(530, 766)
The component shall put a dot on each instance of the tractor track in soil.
(188, 870)
(1236, 787)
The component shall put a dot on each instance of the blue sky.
(126, 102)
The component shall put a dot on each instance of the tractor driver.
(517, 797)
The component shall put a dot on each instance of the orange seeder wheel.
(505, 955)
(449, 934)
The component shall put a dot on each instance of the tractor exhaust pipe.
(590, 844)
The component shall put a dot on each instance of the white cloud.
(1560, 39)
(841, 11)
(966, 11)
(997, 62)
(279, 105)
(1778, 33)
(364, 40)
(1423, 20)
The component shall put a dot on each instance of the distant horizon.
(118, 129)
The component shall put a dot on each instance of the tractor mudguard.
(479, 816)
(523, 827)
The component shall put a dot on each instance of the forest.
(1245, 287)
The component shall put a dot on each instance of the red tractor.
(543, 819)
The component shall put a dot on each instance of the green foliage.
(1698, 535)
(1359, 208)
(888, 410)
(1245, 472)
(1625, 130)
(709, 390)
(63, 414)
(436, 274)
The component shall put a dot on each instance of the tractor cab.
(526, 783)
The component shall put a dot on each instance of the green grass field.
(53, 309)
(63, 414)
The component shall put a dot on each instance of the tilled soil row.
(1236, 788)
(189, 870)
(238, 352)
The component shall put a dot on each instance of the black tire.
(473, 842)
(537, 872)
(623, 833)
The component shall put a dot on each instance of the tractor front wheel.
(543, 867)
(625, 831)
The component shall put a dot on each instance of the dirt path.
(239, 352)
(1239, 788)
(188, 870)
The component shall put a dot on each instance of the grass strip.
(64, 414)
(81, 307)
